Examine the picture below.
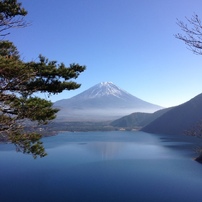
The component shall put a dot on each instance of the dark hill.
(138, 119)
(179, 119)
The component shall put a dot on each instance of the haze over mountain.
(102, 102)
(179, 119)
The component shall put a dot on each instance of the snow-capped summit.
(105, 83)
(102, 101)
(105, 88)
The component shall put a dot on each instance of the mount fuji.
(102, 102)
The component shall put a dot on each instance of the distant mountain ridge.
(104, 101)
(138, 120)
(179, 119)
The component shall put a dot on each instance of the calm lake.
(101, 167)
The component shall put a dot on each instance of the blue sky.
(128, 42)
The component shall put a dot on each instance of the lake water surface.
(101, 167)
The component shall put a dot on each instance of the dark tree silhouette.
(11, 16)
(192, 33)
(21, 112)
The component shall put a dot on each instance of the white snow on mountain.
(106, 88)
(104, 101)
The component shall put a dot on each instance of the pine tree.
(21, 112)
(11, 16)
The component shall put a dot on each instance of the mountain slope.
(178, 119)
(138, 119)
(104, 101)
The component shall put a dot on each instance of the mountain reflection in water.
(107, 150)
(101, 166)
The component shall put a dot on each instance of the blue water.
(101, 167)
